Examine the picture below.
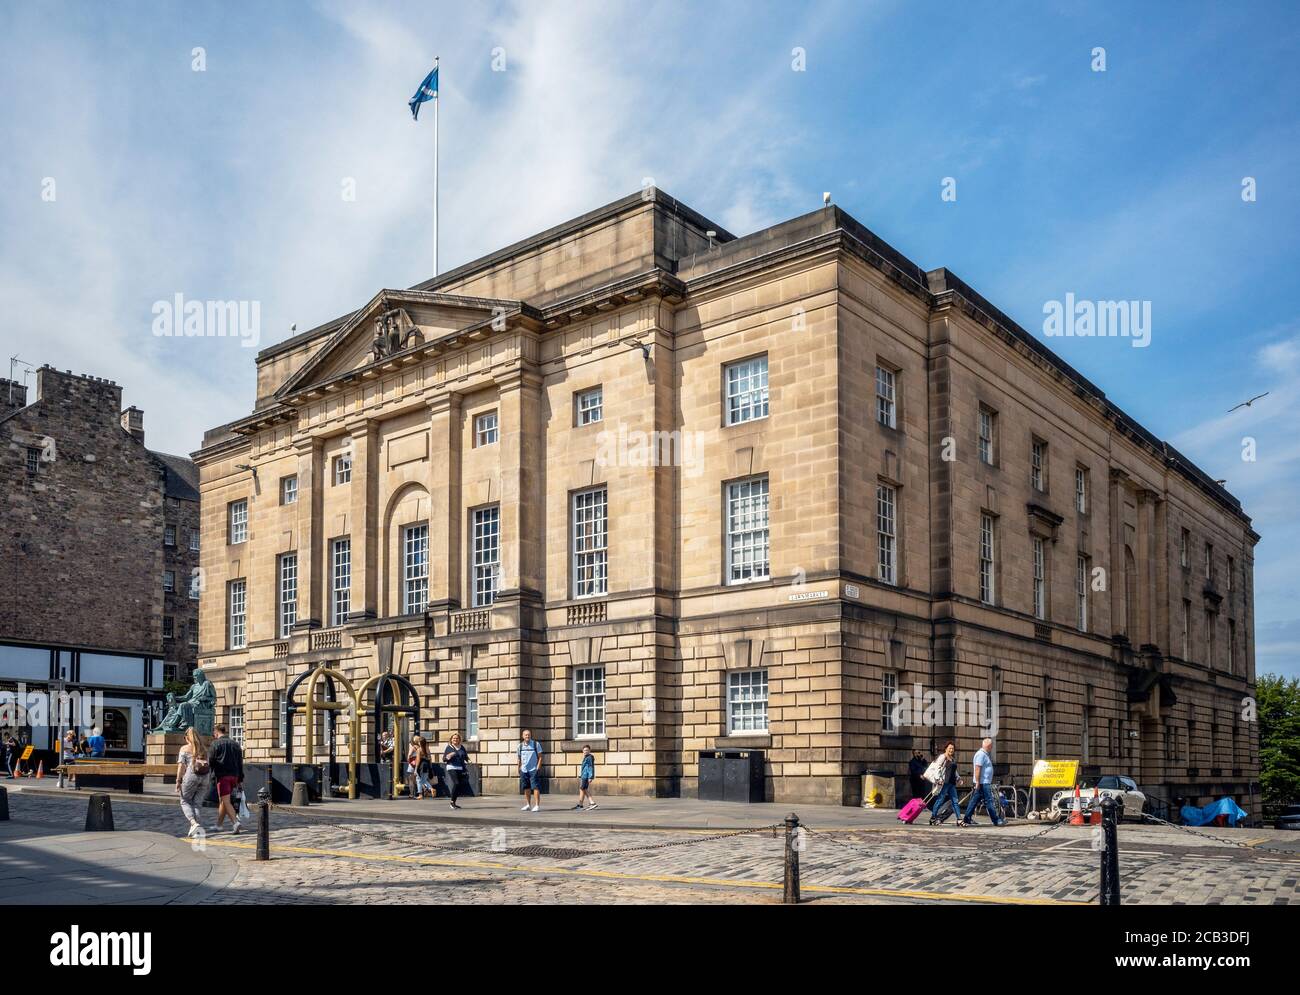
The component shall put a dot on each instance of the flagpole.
(436, 101)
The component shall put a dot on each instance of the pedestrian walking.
(67, 756)
(982, 765)
(946, 783)
(417, 761)
(11, 753)
(454, 760)
(586, 774)
(530, 771)
(192, 777)
(226, 762)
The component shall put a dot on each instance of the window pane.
(590, 543)
(589, 701)
(341, 581)
(415, 569)
(747, 701)
(747, 530)
(487, 555)
(746, 386)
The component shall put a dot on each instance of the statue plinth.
(163, 747)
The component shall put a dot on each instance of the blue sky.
(226, 183)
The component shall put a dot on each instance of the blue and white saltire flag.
(427, 91)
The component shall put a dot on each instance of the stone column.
(445, 525)
(362, 524)
(522, 484)
(310, 494)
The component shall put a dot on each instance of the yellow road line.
(649, 878)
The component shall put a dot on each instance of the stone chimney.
(13, 395)
(133, 422)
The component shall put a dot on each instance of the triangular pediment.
(397, 322)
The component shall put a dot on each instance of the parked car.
(1123, 789)
(1288, 817)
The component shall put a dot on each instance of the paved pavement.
(321, 855)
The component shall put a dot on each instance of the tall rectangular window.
(1040, 579)
(1187, 629)
(288, 601)
(169, 535)
(1184, 538)
(485, 429)
(1232, 573)
(988, 563)
(288, 490)
(340, 580)
(194, 540)
(887, 533)
(236, 611)
(1209, 562)
(235, 719)
(746, 701)
(1038, 465)
(415, 569)
(746, 387)
(589, 406)
(1209, 639)
(1081, 591)
(1232, 646)
(169, 627)
(237, 517)
(1081, 490)
(471, 705)
(487, 554)
(888, 694)
(1085, 735)
(590, 543)
(589, 701)
(277, 720)
(169, 580)
(343, 468)
(886, 407)
(747, 533)
(987, 426)
(33, 459)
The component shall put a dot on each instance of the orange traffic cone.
(40, 770)
(1076, 816)
(1095, 813)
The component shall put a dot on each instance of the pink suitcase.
(911, 810)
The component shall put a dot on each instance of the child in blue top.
(585, 776)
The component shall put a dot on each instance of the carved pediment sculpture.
(394, 331)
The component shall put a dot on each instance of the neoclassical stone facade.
(640, 484)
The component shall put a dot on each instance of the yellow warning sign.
(1055, 774)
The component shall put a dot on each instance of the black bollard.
(263, 825)
(1109, 894)
(99, 814)
(791, 892)
(4, 804)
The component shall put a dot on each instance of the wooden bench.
(111, 774)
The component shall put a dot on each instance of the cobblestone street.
(320, 856)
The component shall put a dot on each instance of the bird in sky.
(1247, 404)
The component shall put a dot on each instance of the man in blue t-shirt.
(530, 772)
(96, 743)
(983, 789)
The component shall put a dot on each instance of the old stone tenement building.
(461, 482)
(99, 544)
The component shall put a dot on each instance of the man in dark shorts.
(226, 761)
(530, 771)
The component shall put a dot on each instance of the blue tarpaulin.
(1204, 816)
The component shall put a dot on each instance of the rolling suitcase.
(911, 810)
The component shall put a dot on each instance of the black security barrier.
(731, 775)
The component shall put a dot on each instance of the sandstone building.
(640, 484)
(98, 548)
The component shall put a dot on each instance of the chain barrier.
(1219, 839)
(937, 858)
(567, 852)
